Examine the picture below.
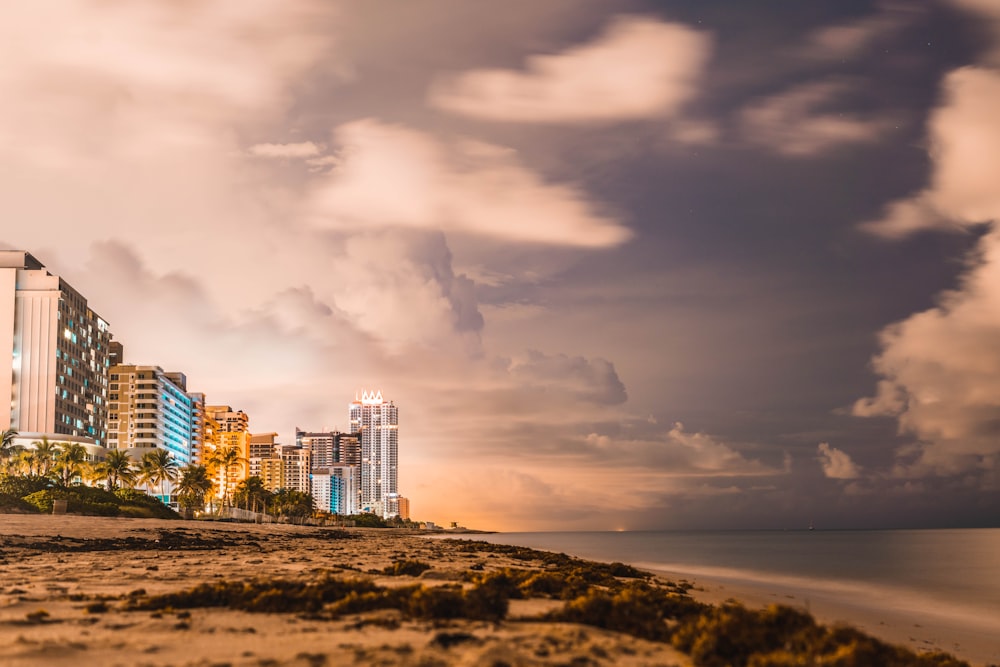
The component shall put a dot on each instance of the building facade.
(53, 354)
(335, 489)
(230, 430)
(376, 423)
(150, 409)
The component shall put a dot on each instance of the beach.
(89, 590)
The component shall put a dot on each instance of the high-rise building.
(335, 489)
(259, 449)
(335, 473)
(53, 354)
(376, 422)
(231, 431)
(149, 409)
(295, 467)
(330, 447)
(404, 508)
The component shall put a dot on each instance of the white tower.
(377, 423)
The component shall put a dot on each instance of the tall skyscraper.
(151, 409)
(376, 422)
(53, 354)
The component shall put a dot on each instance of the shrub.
(21, 486)
(12, 503)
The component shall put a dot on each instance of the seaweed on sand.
(593, 572)
(336, 597)
(778, 636)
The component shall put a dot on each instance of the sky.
(631, 265)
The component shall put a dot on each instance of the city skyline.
(641, 265)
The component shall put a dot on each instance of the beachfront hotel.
(376, 422)
(150, 408)
(53, 357)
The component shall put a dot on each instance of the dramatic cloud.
(965, 145)
(593, 380)
(400, 288)
(837, 464)
(803, 121)
(941, 371)
(940, 368)
(300, 150)
(638, 68)
(396, 176)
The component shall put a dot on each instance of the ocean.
(945, 578)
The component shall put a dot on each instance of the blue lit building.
(149, 409)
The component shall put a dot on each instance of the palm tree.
(25, 462)
(116, 469)
(253, 492)
(225, 459)
(7, 443)
(44, 459)
(70, 461)
(157, 467)
(293, 503)
(193, 486)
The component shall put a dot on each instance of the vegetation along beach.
(118, 591)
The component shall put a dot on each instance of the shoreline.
(70, 586)
(922, 624)
(918, 630)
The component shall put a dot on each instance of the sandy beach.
(86, 590)
(48, 566)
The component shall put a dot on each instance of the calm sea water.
(952, 573)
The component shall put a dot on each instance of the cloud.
(837, 464)
(400, 177)
(940, 369)
(298, 150)
(592, 380)
(801, 121)
(638, 68)
(853, 39)
(399, 287)
(941, 373)
(144, 78)
(965, 147)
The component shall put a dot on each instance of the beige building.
(149, 408)
(260, 448)
(231, 430)
(279, 466)
(53, 354)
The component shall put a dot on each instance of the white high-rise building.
(376, 421)
(53, 355)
